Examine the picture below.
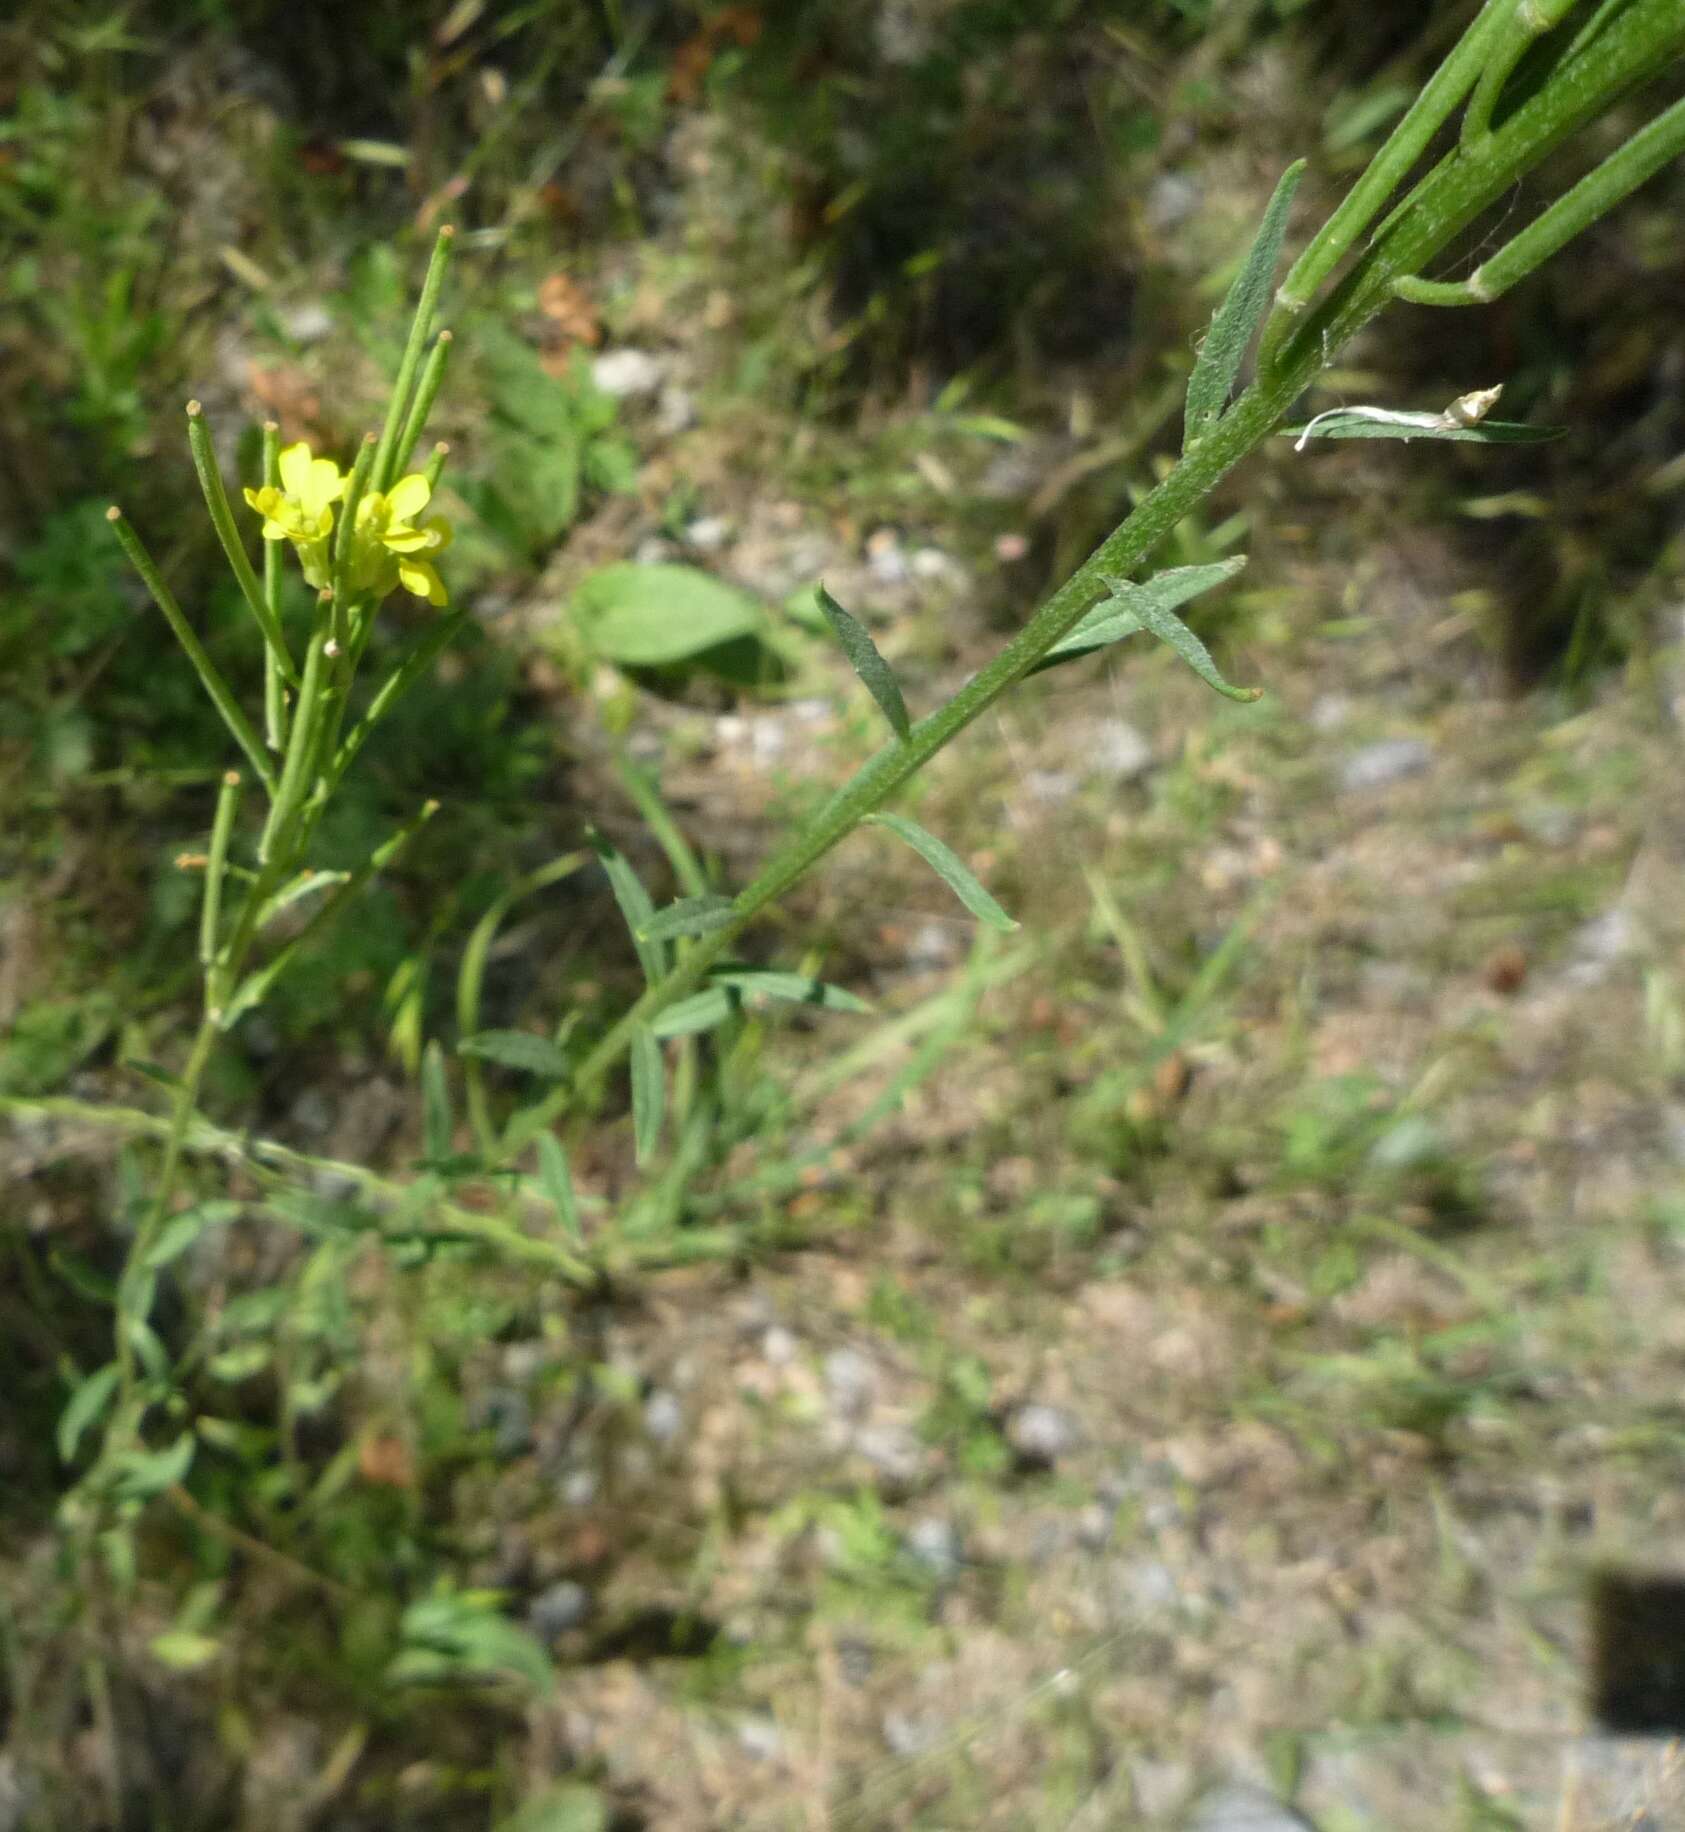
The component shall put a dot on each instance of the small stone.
(1151, 1584)
(779, 1346)
(931, 563)
(760, 1739)
(1245, 1809)
(1172, 198)
(1120, 751)
(1378, 766)
(708, 533)
(884, 559)
(907, 1734)
(313, 1113)
(1049, 785)
(307, 323)
(627, 374)
(934, 944)
(664, 1417)
(892, 1451)
(675, 413)
(505, 1413)
(579, 1487)
(851, 1381)
(1042, 1434)
(654, 550)
(1330, 711)
(936, 1544)
(554, 1611)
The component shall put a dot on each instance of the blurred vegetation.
(968, 229)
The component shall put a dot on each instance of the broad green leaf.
(689, 916)
(1119, 615)
(181, 1231)
(85, 1407)
(1236, 320)
(1354, 423)
(649, 1092)
(460, 1635)
(738, 988)
(648, 616)
(950, 868)
(436, 1122)
(635, 906)
(145, 1473)
(865, 660)
(557, 1179)
(517, 1050)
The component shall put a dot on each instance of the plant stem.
(182, 1109)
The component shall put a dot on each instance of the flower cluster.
(389, 547)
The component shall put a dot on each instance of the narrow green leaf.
(143, 1474)
(1119, 615)
(85, 1407)
(738, 989)
(950, 868)
(702, 1011)
(517, 1050)
(635, 905)
(1356, 423)
(1170, 629)
(863, 656)
(181, 1231)
(557, 1179)
(436, 1123)
(1236, 320)
(649, 1092)
(689, 916)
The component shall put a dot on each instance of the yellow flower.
(301, 510)
(391, 549)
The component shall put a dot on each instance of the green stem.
(216, 865)
(1662, 140)
(1531, 20)
(222, 519)
(397, 412)
(1404, 146)
(274, 684)
(221, 694)
(301, 747)
(182, 1109)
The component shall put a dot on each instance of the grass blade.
(1236, 320)
(950, 868)
(863, 656)
(649, 1092)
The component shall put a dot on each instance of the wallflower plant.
(1524, 77)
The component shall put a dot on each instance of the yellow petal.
(273, 531)
(408, 540)
(408, 496)
(324, 485)
(422, 578)
(294, 466)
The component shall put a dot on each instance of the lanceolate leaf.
(85, 1406)
(437, 1124)
(1237, 319)
(1122, 614)
(635, 906)
(649, 1092)
(740, 988)
(864, 658)
(1170, 629)
(557, 1179)
(948, 866)
(689, 916)
(517, 1050)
